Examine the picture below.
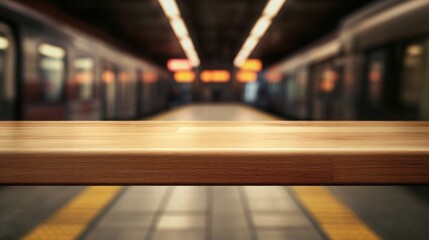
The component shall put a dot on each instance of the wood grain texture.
(214, 152)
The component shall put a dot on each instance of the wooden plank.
(214, 152)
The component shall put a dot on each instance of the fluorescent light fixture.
(170, 8)
(246, 50)
(195, 61)
(273, 7)
(264, 22)
(186, 43)
(261, 26)
(179, 27)
(250, 44)
(51, 51)
(4, 43)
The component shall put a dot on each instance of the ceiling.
(217, 27)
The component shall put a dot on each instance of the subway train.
(51, 71)
(374, 67)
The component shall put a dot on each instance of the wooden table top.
(278, 152)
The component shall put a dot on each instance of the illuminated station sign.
(215, 76)
(254, 65)
(246, 76)
(175, 65)
(182, 69)
(184, 76)
(248, 72)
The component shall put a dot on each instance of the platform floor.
(214, 212)
(214, 112)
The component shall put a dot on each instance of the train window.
(83, 78)
(52, 71)
(4, 45)
(413, 74)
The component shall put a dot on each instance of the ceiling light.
(273, 7)
(170, 8)
(250, 44)
(270, 11)
(179, 27)
(261, 26)
(186, 43)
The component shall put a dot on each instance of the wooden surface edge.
(170, 168)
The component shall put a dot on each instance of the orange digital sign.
(184, 76)
(252, 65)
(215, 76)
(175, 65)
(246, 76)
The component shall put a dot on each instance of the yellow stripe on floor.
(335, 218)
(71, 220)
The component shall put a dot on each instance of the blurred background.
(297, 59)
(219, 60)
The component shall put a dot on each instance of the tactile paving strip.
(71, 220)
(336, 219)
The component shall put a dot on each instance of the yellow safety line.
(335, 218)
(71, 220)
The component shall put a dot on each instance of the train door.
(289, 95)
(381, 85)
(327, 86)
(276, 94)
(109, 78)
(296, 94)
(302, 85)
(50, 101)
(140, 91)
(373, 102)
(122, 95)
(414, 81)
(7, 74)
(127, 95)
(150, 78)
(396, 82)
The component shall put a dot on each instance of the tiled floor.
(218, 212)
(193, 212)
